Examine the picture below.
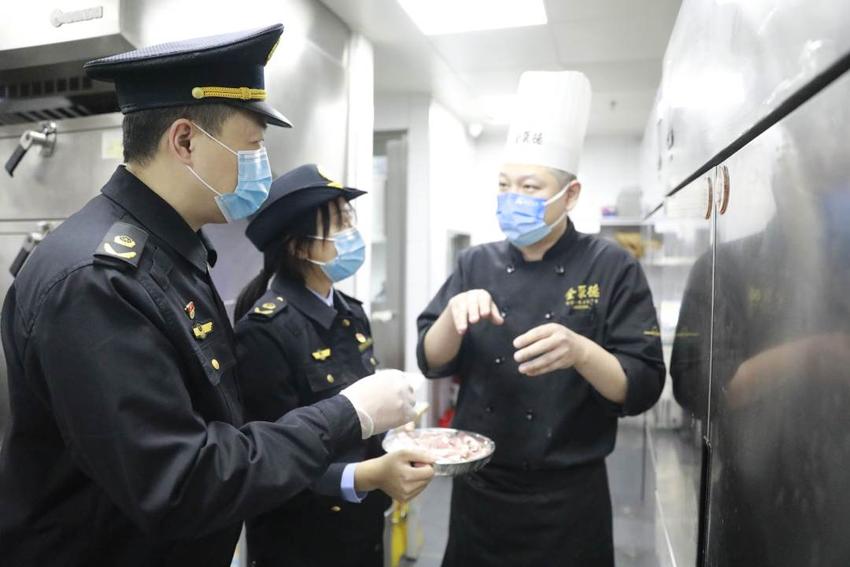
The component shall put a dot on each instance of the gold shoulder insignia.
(268, 306)
(124, 242)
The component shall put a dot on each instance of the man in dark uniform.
(553, 336)
(127, 444)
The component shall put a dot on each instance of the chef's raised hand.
(401, 475)
(548, 348)
(471, 307)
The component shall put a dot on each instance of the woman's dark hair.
(283, 257)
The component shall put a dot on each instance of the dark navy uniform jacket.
(558, 420)
(293, 350)
(127, 443)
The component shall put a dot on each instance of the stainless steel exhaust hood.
(42, 50)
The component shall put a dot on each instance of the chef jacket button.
(330, 378)
(488, 409)
(529, 415)
(346, 323)
(498, 360)
(547, 316)
(215, 364)
(510, 269)
(560, 270)
(335, 508)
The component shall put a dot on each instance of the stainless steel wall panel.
(780, 429)
(728, 64)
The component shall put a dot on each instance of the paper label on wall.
(112, 145)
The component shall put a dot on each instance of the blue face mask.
(254, 178)
(350, 255)
(522, 218)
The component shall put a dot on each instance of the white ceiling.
(617, 43)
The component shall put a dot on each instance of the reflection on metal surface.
(729, 64)
(761, 354)
(760, 357)
(781, 349)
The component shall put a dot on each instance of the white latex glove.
(383, 400)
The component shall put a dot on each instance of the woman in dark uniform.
(299, 341)
(553, 336)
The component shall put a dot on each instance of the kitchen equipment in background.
(44, 138)
(629, 203)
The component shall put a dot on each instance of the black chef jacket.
(127, 444)
(559, 420)
(294, 350)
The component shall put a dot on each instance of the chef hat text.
(550, 120)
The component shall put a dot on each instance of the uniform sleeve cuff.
(343, 424)
(349, 494)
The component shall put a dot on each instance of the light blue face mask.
(522, 217)
(350, 255)
(253, 180)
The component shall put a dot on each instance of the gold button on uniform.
(346, 323)
(335, 508)
(373, 361)
(361, 338)
(215, 364)
(330, 378)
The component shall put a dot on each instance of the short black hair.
(144, 129)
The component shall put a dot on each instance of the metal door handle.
(710, 198)
(45, 139)
(723, 187)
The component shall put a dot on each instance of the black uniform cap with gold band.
(221, 69)
(292, 195)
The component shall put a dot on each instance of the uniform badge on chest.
(322, 354)
(202, 330)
